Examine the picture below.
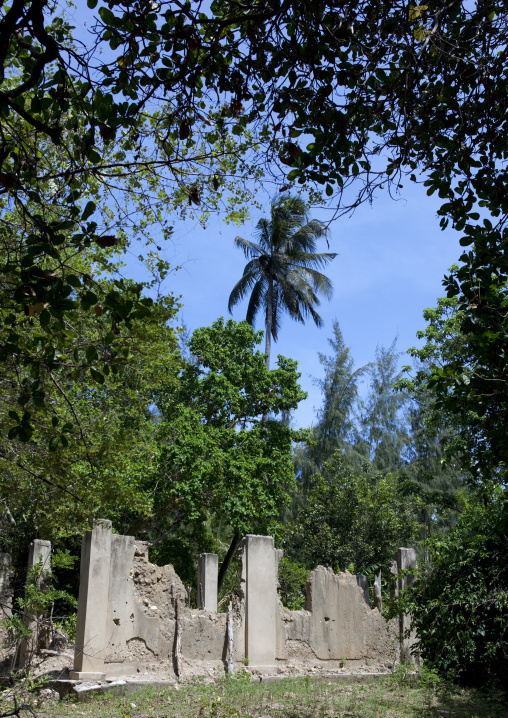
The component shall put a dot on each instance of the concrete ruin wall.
(5, 592)
(127, 612)
(140, 624)
(129, 609)
(131, 626)
(337, 625)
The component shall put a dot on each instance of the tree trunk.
(268, 322)
(227, 560)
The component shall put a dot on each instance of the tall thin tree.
(336, 425)
(281, 273)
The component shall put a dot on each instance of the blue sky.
(391, 260)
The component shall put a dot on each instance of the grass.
(391, 697)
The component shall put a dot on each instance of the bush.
(354, 519)
(460, 602)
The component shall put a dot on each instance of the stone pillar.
(363, 582)
(406, 559)
(5, 591)
(208, 573)
(91, 638)
(39, 554)
(260, 601)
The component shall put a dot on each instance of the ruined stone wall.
(133, 626)
(5, 591)
(140, 625)
(337, 624)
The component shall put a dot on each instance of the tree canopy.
(163, 105)
(217, 453)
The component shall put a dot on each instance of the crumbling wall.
(140, 626)
(6, 592)
(337, 624)
(132, 623)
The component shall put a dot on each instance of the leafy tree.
(73, 183)
(335, 428)
(459, 604)
(281, 274)
(355, 78)
(462, 369)
(90, 447)
(193, 93)
(218, 456)
(431, 452)
(437, 477)
(382, 426)
(353, 517)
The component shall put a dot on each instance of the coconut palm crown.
(281, 275)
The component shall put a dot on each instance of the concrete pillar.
(363, 582)
(91, 638)
(39, 555)
(260, 601)
(5, 591)
(406, 559)
(208, 573)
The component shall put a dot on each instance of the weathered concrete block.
(208, 572)
(91, 637)
(406, 559)
(39, 554)
(6, 591)
(89, 692)
(260, 600)
(337, 624)
(140, 624)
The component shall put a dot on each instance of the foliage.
(353, 517)
(217, 454)
(29, 620)
(462, 367)
(432, 452)
(292, 584)
(459, 604)
(383, 433)
(193, 93)
(436, 479)
(81, 177)
(91, 451)
(281, 274)
(335, 429)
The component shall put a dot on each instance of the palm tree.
(281, 274)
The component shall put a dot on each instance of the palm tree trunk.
(268, 323)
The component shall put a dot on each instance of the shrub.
(460, 602)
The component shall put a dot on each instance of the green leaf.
(97, 375)
(91, 353)
(88, 211)
(73, 281)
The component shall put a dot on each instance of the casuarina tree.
(282, 272)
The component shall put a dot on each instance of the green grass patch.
(397, 696)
